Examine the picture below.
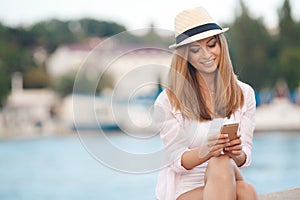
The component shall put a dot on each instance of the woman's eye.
(212, 45)
(194, 50)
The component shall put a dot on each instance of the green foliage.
(289, 29)
(36, 77)
(50, 34)
(106, 81)
(290, 59)
(289, 45)
(64, 84)
(155, 37)
(92, 27)
(17, 47)
(150, 36)
(68, 83)
(249, 43)
(4, 85)
(53, 33)
(260, 57)
(13, 56)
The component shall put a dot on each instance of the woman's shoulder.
(249, 95)
(246, 88)
(163, 101)
(162, 98)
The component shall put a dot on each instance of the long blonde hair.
(185, 94)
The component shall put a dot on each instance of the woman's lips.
(208, 63)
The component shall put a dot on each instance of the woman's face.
(204, 55)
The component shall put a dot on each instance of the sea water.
(62, 167)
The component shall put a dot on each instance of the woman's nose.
(206, 53)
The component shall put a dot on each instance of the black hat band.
(196, 30)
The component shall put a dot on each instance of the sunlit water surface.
(60, 167)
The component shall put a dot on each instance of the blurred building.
(29, 111)
(136, 70)
(70, 57)
(96, 55)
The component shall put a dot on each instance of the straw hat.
(194, 24)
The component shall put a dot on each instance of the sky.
(135, 14)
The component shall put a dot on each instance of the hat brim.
(199, 36)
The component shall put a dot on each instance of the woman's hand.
(214, 146)
(234, 150)
(234, 147)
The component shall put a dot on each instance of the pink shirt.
(180, 135)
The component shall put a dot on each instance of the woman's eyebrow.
(197, 45)
(211, 39)
(194, 45)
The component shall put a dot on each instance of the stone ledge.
(292, 194)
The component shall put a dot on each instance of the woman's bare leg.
(244, 190)
(223, 180)
(195, 194)
(220, 180)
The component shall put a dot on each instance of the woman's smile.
(208, 63)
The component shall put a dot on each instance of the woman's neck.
(207, 81)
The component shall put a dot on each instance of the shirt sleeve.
(169, 123)
(247, 124)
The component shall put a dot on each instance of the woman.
(203, 94)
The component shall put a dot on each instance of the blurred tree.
(154, 36)
(95, 28)
(36, 77)
(4, 76)
(149, 36)
(64, 84)
(13, 56)
(289, 47)
(106, 81)
(289, 32)
(250, 42)
(18, 46)
(259, 58)
(4, 85)
(290, 62)
(51, 33)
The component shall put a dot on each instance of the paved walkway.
(292, 194)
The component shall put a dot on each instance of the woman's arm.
(169, 124)
(240, 148)
(214, 147)
(190, 159)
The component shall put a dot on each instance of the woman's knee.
(221, 166)
(220, 163)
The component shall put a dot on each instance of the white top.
(180, 134)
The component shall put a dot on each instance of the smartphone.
(231, 130)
